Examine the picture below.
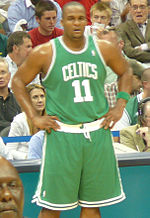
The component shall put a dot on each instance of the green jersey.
(75, 83)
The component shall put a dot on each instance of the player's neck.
(75, 44)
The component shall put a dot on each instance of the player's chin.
(78, 36)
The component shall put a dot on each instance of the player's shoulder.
(105, 44)
(42, 50)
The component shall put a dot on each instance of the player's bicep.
(27, 71)
(114, 58)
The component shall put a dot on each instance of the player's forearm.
(124, 85)
(125, 82)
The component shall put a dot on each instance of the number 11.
(77, 89)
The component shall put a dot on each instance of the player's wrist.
(123, 95)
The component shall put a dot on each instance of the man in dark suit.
(136, 32)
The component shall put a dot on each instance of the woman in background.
(22, 126)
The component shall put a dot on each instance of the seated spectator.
(136, 85)
(8, 104)
(25, 9)
(3, 16)
(22, 126)
(3, 45)
(35, 145)
(100, 15)
(119, 10)
(2, 31)
(129, 116)
(11, 191)
(4, 150)
(137, 136)
(46, 16)
(111, 81)
(136, 32)
(19, 45)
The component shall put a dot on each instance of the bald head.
(11, 191)
(146, 75)
(71, 5)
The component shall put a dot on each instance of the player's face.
(11, 193)
(139, 11)
(100, 17)
(4, 75)
(24, 49)
(74, 22)
(38, 99)
(47, 22)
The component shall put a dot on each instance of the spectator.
(35, 145)
(100, 17)
(129, 116)
(119, 10)
(11, 191)
(136, 32)
(4, 4)
(3, 45)
(8, 104)
(22, 126)
(46, 16)
(25, 9)
(4, 151)
(111, 81)
(137, 136)
(19, 46)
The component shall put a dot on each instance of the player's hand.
(113, 115)
(111, 118)
(46, 122)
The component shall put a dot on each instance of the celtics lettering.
(80, 69)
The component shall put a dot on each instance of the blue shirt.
(23, 9)
(35, 145)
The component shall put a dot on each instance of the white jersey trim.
(71, 51)
(51, 206)
(52, 62)
(102, 203)
(99, 52)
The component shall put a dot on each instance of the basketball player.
(78, 164)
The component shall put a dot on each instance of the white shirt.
(12, 68)
(19, 127)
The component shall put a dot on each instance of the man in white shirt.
(19, 46)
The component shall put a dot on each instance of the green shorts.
(78, 170)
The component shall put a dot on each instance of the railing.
(27, 138)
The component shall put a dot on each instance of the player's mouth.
(77, 30)
(1, 82)
(139, 16)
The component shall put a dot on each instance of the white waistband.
(80, 128)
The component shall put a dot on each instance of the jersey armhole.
(52, 62)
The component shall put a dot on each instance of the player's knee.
(46, 213)
(93, 212)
